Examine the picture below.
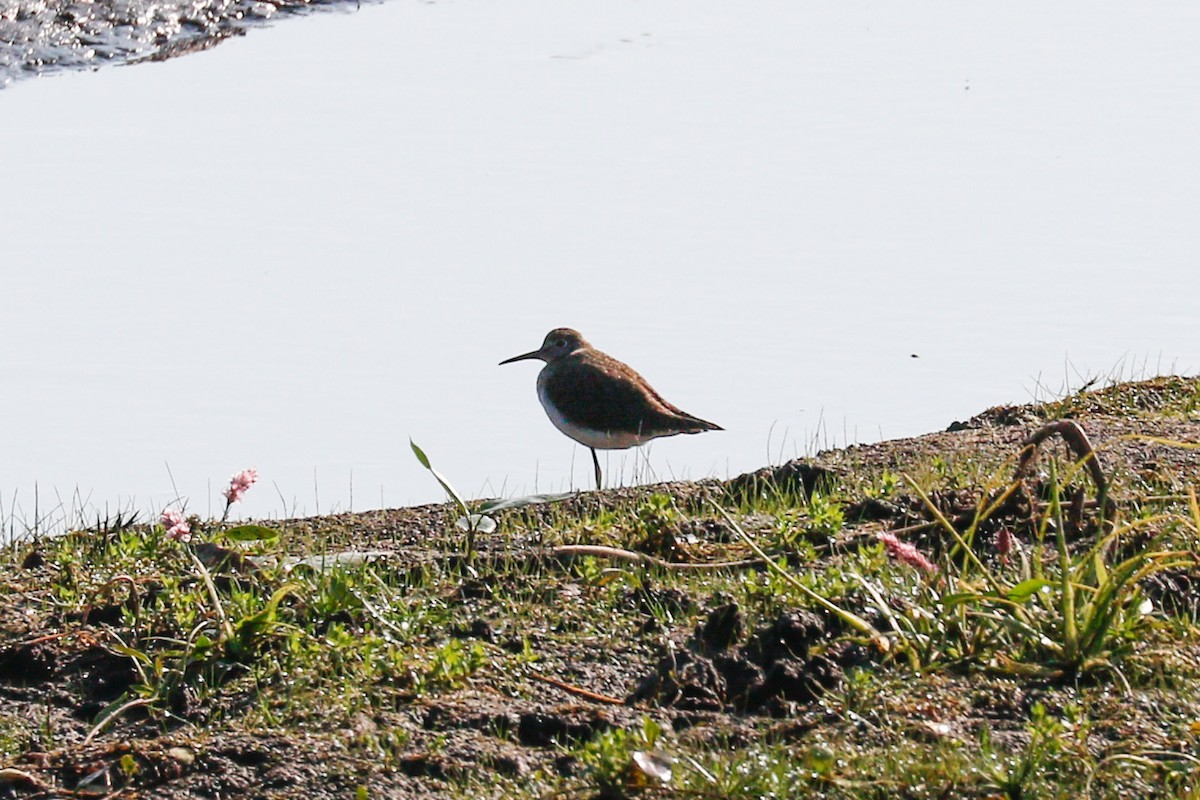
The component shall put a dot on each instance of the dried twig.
(1078, 442)
(578, 691)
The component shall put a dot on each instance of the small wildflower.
(905, 552)
(238, 485)
(1004, 543)
(176, 526)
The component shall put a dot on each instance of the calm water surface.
(301, 248)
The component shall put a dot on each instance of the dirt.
(771, 673)
(696, 663)
(45, 36)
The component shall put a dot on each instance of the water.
(300, 248)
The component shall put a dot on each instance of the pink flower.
(238, 485)
(176, 526)
(905, 552)
(1004, 543)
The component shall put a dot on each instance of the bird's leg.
(596, 461)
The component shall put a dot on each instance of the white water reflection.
(301, 248)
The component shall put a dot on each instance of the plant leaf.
(324, 562)
(1026, 589)
(450, 490)
(480, 523)
(522, 502)
(420, 454)
(251, 533)
(132, 653)
(260, 621)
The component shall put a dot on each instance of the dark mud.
(781, 666)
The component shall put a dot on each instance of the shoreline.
(907, 624)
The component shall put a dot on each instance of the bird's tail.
(700, 425)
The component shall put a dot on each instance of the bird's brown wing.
(605, 395)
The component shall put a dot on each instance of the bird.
(601, 402)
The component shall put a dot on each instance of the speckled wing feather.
(602, 394)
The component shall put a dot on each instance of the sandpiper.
(601, 402)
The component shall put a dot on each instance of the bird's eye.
(560, 342)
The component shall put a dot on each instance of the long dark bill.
(524, 357)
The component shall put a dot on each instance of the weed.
(15, 735)
(1054, 747)
(612, 759)
(818, 521)
(449, 666)
(475, 523)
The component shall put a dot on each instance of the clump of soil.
(781, 664)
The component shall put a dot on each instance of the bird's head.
(558, 343)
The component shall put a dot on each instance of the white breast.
(600, 440)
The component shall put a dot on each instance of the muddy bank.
(46, 36)
(544, 669)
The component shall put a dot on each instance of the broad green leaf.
(450, 490)
(420, 454)
(1026, 589)
(251, 533)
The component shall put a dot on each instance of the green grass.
(1041, 673)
